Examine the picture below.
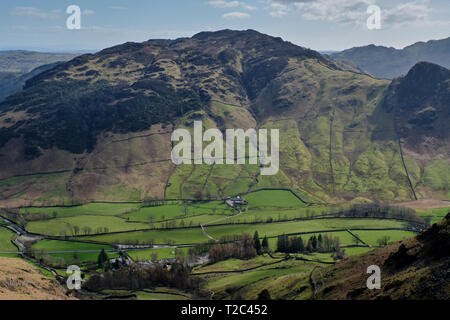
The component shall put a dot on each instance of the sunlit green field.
(371, 237)
(174, 211)
(103, 209)
(56, 248)
(6, 236)
(195, 235)
(273, 198)
(57, 245)
(435, 214)
(58, 226)
(266, 213)
(162, 253)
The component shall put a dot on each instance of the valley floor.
(60, 236)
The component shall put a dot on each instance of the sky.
(316, 24)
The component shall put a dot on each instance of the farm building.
(236, 201)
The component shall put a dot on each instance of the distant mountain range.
(388, 63)
(17, 66)
(98, 127)
(25, 61)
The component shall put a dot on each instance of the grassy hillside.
(98, 128)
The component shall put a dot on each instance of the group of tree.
(137, 276)
(103, 260)
(383, 241)
(146, 242)
(156, 203)
(320, 243)
(86, 230)
(259, 246)
(384, 212)
(242, 248)
(44, 258)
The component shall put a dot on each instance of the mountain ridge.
(389, 62)
(102, 122)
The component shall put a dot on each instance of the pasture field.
(9, 255)
(67, 250)
(231, 278)
(154, 294)
(253, 214)
(195, 235)
(163, 253)
(249, 283)
(59, 245)
(436, 214)
(194, 221)
(158, 213)
(6, 236)
(273, 198)
(275, 229)
(146, 295)
(54, 227)
(83, 257)
(99, 209)
(235, 265)
(178, 236)
(356, 250)
(371, 237)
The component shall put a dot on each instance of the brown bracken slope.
(20, 280)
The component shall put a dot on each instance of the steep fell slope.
(415, 268)
(98, 127)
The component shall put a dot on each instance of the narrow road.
(217, 220)
(22, 233)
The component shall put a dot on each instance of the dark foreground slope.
(415, 268)
(98, 127)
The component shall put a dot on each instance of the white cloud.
(236, 15)
(34, 12)
(341, 11)
(354, 11)
(229, 4)
(407, 13)
(247, 6)
(223, 4)
(278, 9)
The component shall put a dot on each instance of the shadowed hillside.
(415, 268)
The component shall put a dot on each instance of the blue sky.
(317, 24)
